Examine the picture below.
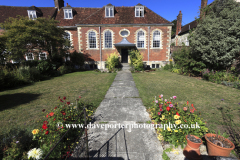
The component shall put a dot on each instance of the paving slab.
(121, 107)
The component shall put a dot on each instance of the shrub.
(136, 59)
(77, 59)
(64, 69)
(112, 61)
(165, 112)
(215, 46)
(168, 66)
(44, 67)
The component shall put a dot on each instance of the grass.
(22, 107)
(206, 96)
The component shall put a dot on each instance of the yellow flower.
(169, 129)
(178, 122)
(175, 130)
(176, 117)
(35, 131)
(163, 116)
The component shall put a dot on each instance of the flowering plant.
(53, 128)
(175, 121)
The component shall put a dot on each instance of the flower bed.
(51, 130)
(167, 113)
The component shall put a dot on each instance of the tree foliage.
(216, 40)
(33, 36)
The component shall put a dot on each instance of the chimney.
(203, 5)
(59, 4)
(179, 24)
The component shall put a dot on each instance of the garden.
(29, 114)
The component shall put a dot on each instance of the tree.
(33, 36)
(174, 26)
(216, 40)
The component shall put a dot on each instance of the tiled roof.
(122, 15)
(188, 26)
(11, 11)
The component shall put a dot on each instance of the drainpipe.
(100, 45)
(148, 41)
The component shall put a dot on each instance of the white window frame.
(68, 12)
(28, 58)
(108, 10)
(107, 39)
(89, 44)
(42, 56)
(139, 9)
(156, 40)
(32, 14)
(143, 46)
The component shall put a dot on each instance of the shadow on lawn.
(13, 100)
(232, 129)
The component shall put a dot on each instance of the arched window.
(156, 39)
(92, 39)
(140, 39)
(108, 39)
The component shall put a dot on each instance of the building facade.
(98, 32)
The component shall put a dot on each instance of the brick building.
(98, 32)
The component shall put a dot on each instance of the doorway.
(124, 53)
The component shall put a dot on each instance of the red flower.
(79, 96)
(64, 98)
(170, 102)
(177, 114)
(159, 96)
(61, 100)
(51, 114)
(64, 120)
(55, 108)
(68, 103)
(43, 110)
(54, 119)
(59, 97)
(44, 126)
(45, 122)
(187, 102)
(64, 113)
(193, 107)
(161, 109)
(159, 113)
(168, 108)
(46, 132)
(192, 110)
(47, 115)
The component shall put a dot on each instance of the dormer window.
(32, 14)
(139, 11)
(109, 11)
(68, 14)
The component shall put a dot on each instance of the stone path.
(122, 105)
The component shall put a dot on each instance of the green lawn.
(206, 96)
(22, 107)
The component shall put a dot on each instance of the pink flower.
(160, 109)
(174, 97)
(165, 100)
(170, 105)
(192, 110)
(159, 113)
(156, 101)
(185, 108)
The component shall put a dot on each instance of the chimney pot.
(67, 4)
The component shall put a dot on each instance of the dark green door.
(124, 55)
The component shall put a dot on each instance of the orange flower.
(47, 115)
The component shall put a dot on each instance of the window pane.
(153, 65)
(66, 14)
(140, 39)
(70, 14)
(92, 40)
(156, 39)
(107, 12)
(108, 39)
(111, 12)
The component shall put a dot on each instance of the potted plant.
(192, 151)
(218, 145)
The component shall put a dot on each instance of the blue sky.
(168, 9)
